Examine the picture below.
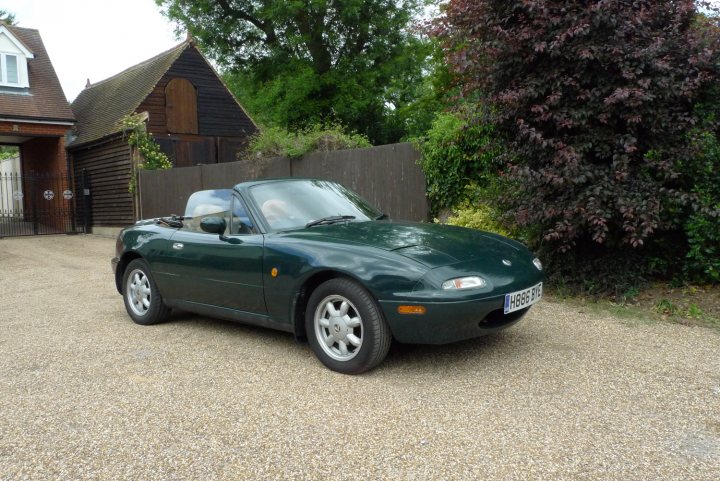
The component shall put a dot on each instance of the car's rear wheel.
(345, 327)
(142, 297)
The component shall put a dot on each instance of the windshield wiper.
(330, 220)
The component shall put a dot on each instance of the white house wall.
(8, 46)
(9, 184)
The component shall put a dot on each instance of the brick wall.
(32, 130)
(45, 151)
(44, 154)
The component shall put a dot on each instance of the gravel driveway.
(87, 394)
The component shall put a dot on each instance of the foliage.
(293, 64)
(478, 216)
(594, 101)
(703, 225)
(278, 142)
(424, 99)
(455, 153)
(7, 17)
(8, 152)
(152, 158)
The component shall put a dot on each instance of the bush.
(594, 101)
(703, 225)
(703, 258)
(478, 216)
(454, 154)
(320, 137)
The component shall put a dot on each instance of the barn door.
(181, 107)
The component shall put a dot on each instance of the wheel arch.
(125, 259)
(306, 290)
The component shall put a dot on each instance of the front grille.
(498, 318)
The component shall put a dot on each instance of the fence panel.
(165, 192)
(388, 176)
(222, 176)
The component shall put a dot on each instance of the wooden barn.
(191, 113)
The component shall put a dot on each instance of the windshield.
(293, 204)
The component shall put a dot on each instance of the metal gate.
(36, 203)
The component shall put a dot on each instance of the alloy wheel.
(338, 327)
(138, 292)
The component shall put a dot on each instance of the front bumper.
(114, 264)
(446, 322)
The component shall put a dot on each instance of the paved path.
(87, 394)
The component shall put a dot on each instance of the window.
(206, 203)
(14, 57)
(11, 68)
(217, 203)
(240, 222)
(11, 65)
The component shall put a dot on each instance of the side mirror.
(213, 225)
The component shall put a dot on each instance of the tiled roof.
(100, 107)
(44, 100)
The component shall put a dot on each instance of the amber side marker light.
(412, 309)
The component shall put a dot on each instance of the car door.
(222, 271)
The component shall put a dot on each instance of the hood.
(433, 245)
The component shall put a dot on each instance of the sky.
(94, 39)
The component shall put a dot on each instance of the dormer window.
(13, 60)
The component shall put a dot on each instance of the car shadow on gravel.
(236, 329)
(415, 357)
(502, 347)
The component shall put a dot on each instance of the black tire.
(328, 328)
(143, 301)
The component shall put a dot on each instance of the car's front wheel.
(345, 327)
(142, 297)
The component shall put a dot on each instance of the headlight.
(472, 282)
(537, 263)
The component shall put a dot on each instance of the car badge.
(507, 262)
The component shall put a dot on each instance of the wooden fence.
(387, 176)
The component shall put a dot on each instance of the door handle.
(178, 246)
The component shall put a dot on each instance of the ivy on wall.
(151, 157)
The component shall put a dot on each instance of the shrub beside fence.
(387, 176)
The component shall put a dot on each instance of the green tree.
(422, 101)
(295, 63)
(7, 17)
(8, 152)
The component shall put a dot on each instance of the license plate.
(522, 299)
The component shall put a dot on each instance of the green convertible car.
(312, 258)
